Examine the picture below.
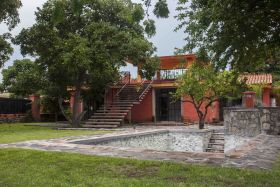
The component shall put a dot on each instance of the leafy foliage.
(271, 65)
(242, 34)
(5, 49)
(258, 88)
(84, 44)
(150, 27)
(161, 9)
(201, 86)
(9, 12)
(148, 69)
(23, 78)
(8, 15)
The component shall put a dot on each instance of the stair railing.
(126, 77)
(148, 87)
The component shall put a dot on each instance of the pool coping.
(133, 134)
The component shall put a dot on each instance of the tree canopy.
(8, 15)
(84, 46)
(242, 34)
(23, 78)
(9, 12)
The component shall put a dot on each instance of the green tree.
(8, 15)
(201, 86)
(79, 47)
(270, 65)
(242, 34)
(160, 10)
(22, 79)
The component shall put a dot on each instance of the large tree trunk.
(201, 117)
(75, 114)
(201, 124)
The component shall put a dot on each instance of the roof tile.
(257, 78)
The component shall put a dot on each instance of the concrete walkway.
(259, 153)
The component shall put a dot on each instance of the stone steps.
(216, 143)
(214, 150)
(112, 110)
(102, 123)
(101, 126)
(221, 144)
(105, 120)
(106, 117)
(110, 113)
(115, 107)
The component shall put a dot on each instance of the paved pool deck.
(260, 152)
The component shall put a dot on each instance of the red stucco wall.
(249, 99)
(266, 97)
(143, 112)
(189, 113)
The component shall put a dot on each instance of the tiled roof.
(257, 78)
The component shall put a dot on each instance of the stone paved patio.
(259, 153)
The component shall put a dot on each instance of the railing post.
(130, 116)
(105, 100)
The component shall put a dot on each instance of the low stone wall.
(190, 140)
(243, 122)
(251, 122)
(270, 120)
(11, 118)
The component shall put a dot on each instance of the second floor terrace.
(170, 68)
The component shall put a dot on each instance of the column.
(35, 106)
(249, 99)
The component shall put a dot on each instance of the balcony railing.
(171, 74)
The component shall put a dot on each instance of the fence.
(14, 106)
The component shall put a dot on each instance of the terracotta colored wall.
(189, 113)
(143, 112)
(266, 97)
(35, 107)
(173, 62)
(110, 95)
(249, 99)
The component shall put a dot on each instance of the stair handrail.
(148, 87)
(123, 86)
(121, 89)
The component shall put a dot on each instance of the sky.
(165, 40)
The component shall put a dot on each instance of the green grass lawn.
(19, 132)
(24, 168)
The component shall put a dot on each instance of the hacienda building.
(150, 102)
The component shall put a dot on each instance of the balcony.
(170, 74)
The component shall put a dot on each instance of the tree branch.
(60, 100)
(81, 115)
